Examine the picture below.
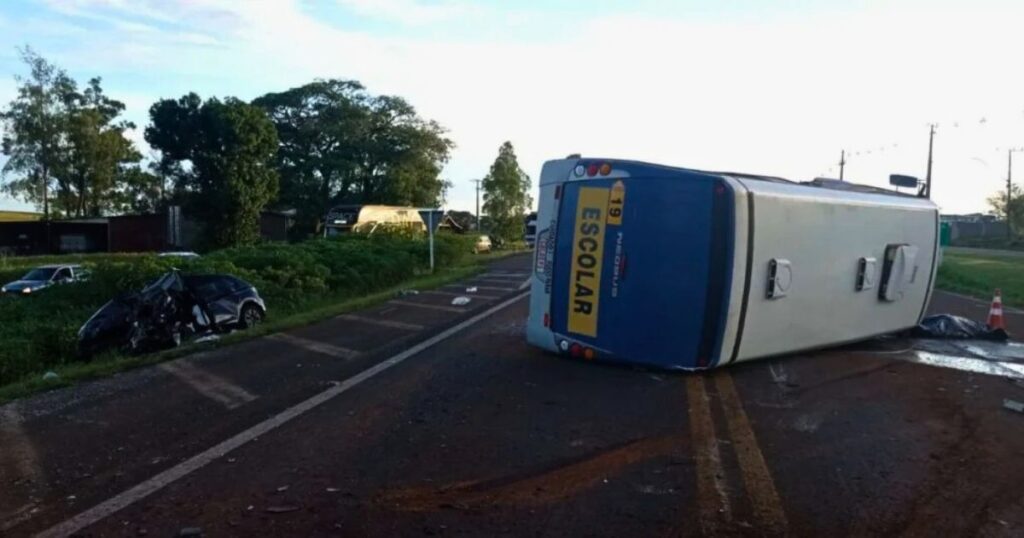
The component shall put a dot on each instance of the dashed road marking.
(442, 308)
(494, 288)
(210, 385)
(17, 517)
(510, 276)
(756, 477)
(382, 322)
(712, 497)
(18, 458)
(469, 294)
(317, 347)
(495, 281)
(189, 466)
(519, 274)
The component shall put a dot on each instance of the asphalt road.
(418, 417)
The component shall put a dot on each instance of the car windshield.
(39, 273)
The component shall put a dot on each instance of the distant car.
(178, 254)
(483, 244)
(44, 276)
(169, 310)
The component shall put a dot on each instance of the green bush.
(40, 331)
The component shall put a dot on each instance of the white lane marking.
(508, 273)
(382, 322)
(1011, 370)
(525, 284)
(498, 276)
(317, 347)
(430, 306)
(162, 480)
(460, 294)
(18, 459)
(210, 385)
(494, 281)
(495, 288)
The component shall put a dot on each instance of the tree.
(68, 153)
(34, 129)
(220, 155)
(464, 219)
(506, 195)
(997, 202)
(339, 144)
(98, 157)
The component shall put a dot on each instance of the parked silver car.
(44, 276)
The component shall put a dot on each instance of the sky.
(775, 87)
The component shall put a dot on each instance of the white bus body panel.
(823, 234)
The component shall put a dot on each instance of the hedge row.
(39, 332)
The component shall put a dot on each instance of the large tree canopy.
(34, 126)
(220, 156)
(339, 144)
(506, 195)
(67, 153)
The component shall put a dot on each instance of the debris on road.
(51, 375)
(282, 489)
(403, 293)
(950, 326)
(281, 509)
(471, 289)
(461, 300)
(1014, 405)
(190, 531)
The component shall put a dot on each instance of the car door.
(217, 292)
(62, 276)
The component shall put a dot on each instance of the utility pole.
(927, 191)
(842, 164)
(477, 181)
(1009, 190)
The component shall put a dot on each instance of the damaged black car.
(170, 310)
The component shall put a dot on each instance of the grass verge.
(979, 275)
(107, 365)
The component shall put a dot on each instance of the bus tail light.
(605, 169)
(592, 170)
(575, 350)
(588, 354)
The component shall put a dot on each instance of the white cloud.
(411, 12)
(779, 97)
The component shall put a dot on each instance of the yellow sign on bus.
(616, 203)
(587, 257)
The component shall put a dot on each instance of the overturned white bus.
(685, 269)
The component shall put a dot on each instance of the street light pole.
(477, 181)
(1009, 190)
(928, 177)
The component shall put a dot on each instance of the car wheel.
(251, 316)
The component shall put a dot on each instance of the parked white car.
(483, 244)
(44, 276)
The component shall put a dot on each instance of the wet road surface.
(418, 417)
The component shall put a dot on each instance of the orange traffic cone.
(995, 314)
